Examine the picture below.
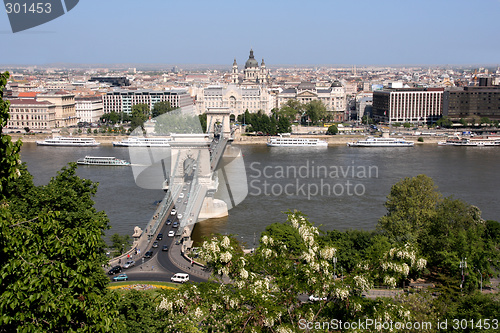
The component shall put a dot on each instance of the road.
(159, 267)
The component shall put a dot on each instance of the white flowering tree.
(269, 289)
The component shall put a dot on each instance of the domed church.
(252, 74)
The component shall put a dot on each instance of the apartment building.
(32, 114)
(122, 100)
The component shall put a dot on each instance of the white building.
(89, 108)
(416, 105)
(237, 98)
(334, 97)
(122, 100)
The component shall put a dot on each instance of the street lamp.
(334, 268)
(481, 275)
(463, 264)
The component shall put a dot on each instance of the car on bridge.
(148, 254)
(181, 195)
(169, 222)
(165, 247)
(114, 270)
(175, 225)
(129, 263)
(179, 216)
(173, 212)
(155, 244)
(171, 233)
(159, 237)
(121, 277)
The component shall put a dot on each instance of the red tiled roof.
(31, 94)
(14, 102)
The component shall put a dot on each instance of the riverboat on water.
(381, 142)
(280, 141)
(68, 142)
(101, 160)
(143, 142)
(470, 142)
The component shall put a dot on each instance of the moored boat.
(280, 141)
(143, 142)
(101, 160)
(68, 142)
(381, 142)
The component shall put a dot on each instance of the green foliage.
(261, 122)
(407, 125)
(203, 122)
(420, 139)
(120, 242)
(140, 113)
(481, 309)
(315, 110)
(485, 120)
(111, 118)
(51, 274)
(332, 130)
(367, 120)
(463, 122)
(160, 108)
(444, 122)
(138, 312)
(9, 152)
(410, 206)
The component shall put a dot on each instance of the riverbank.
(332, 140)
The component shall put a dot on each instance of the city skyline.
(359, 33)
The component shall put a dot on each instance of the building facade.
(64, 107)
(422, 105)
(472, 102)
(89, 108)
(252, 74)
(32, 114)
(237, 99)
(123, 100)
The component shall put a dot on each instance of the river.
(336, 187)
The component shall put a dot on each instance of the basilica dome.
(251, 62)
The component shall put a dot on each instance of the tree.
(51, 250)
(111, 118)
(160, 108)
(332, 130)
(140, 113)
(444, 122)
(463, 122)
(485, 120)
(203, 122)
(119, 242)
(315, 110)
(410, 206)
(406, 125)
(9, 152)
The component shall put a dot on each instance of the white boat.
(381, 142)
(280, 141)
(476, 142)
(101, 160)
(68, 142)
(143, 142)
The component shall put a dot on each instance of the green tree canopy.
(332, 130)
(140, 113)
(315, 110)
(160, 108)
(444, 122)
(410, 206)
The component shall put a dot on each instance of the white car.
(181, 195)
(171, 233)
(179, 216)
(129, 264)
(173, 212)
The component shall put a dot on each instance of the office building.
(122, 100)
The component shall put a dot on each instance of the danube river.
(336, 187)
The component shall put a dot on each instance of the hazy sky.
(350, 32)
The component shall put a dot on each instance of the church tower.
(234, 74)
